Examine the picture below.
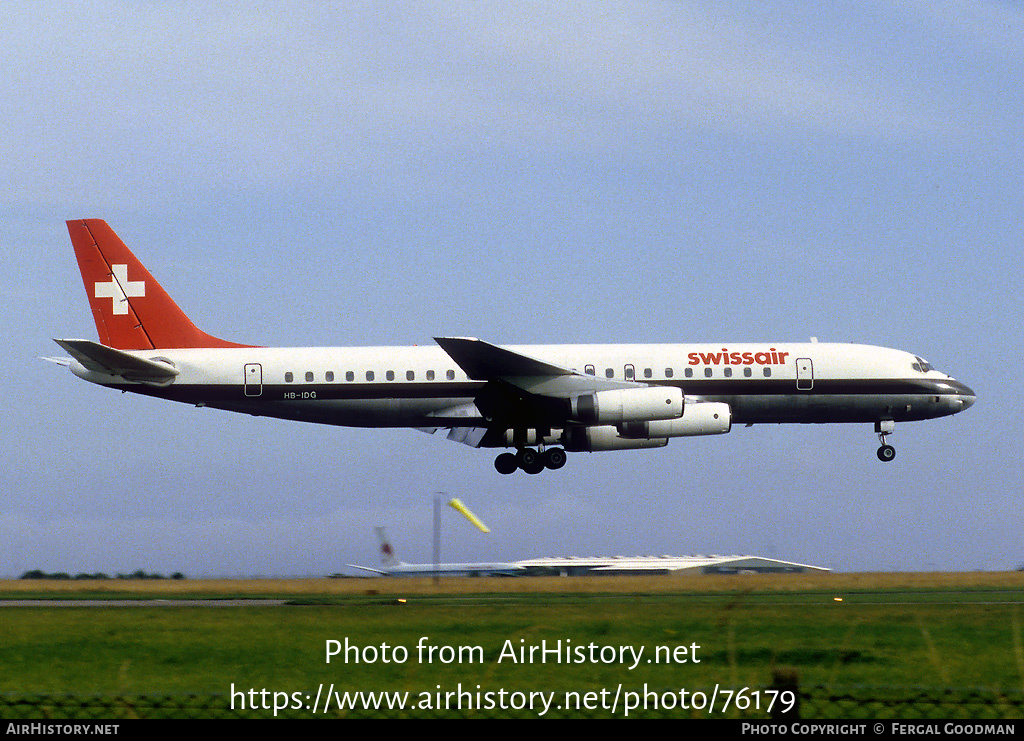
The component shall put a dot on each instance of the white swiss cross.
(120, 288)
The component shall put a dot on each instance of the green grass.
(742, 639)
(860, 640)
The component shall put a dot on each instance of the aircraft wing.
(519, 391)
(367, 568)
(102, 359)
(483, 361)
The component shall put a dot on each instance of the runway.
(143, 603)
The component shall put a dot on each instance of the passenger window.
(369, 375)
(329, 376)
(309, 376)
(707, 372)
(430, 375)
(390, 375)
(728, 372)
(350, 376)
(688, 372)
(767, 372)
(288, 377)
(450, 375)
(668, 373)
(629, 372)
(648, 373)
(747, 372)
(410, 376)
(609, 373)
(589, 370)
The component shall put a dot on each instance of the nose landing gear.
(886, 427)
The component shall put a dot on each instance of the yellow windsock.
(458, 506)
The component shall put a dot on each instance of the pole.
(437, 538)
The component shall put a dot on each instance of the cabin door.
(253, 379)
(804, 374)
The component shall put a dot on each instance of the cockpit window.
(920, 364)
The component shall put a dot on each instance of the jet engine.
(700, 418)
(593, 439)
(627, 405)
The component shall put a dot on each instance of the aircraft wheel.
(526, 457)
(554, 458)
(535, 466)
(506, 463)
(886, 453)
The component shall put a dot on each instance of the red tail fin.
(131, 310)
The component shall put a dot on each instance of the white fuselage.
(424, 387)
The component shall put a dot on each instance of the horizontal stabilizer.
(102, 359)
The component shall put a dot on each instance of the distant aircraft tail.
(387, 553)
(132, 311)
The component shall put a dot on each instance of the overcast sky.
(383, 173)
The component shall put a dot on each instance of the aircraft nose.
(967, 397)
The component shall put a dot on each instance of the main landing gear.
(887, 452)
(530, 460)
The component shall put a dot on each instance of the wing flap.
(471, 436)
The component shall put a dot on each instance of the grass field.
(932, 632)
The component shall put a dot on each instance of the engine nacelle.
(699, 418)
(593, 439)
(628, 405)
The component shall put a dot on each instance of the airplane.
(391, 566)
(540, 400)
